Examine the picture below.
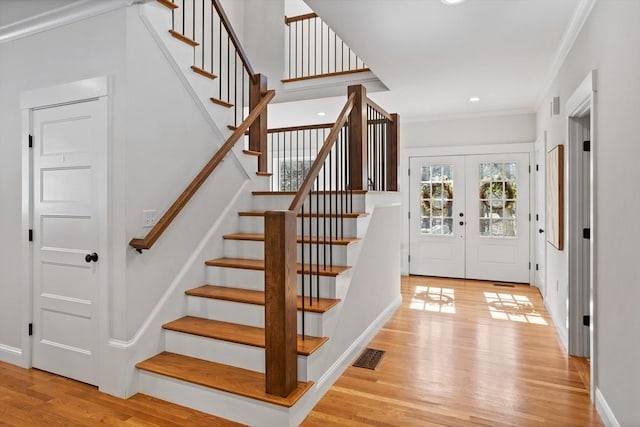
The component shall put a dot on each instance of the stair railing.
(291, 152)
(166, 219)
(218, 55)
(315, 50)
(328, 174)
(362, 146)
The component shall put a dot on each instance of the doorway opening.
(580, 221)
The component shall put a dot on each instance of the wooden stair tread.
(256, 297)
(251, 153)
(230, 379)
(258, 264)
(221, 102)
(312, 214)
(203, 72)
(293, 193)
(264, 173)
(168, 3)
(184, 38)
(233, 332)
(259, 237)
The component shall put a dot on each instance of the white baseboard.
(11, 355)
(562, 332)
(605, 412)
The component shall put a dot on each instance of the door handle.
(461, 223)
(91, 257)
(541, 231)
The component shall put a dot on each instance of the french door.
(469, 217)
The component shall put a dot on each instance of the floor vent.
(369, 358)
(504, 285)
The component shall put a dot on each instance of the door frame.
(581, 102)
(459, 150)
(79, 91)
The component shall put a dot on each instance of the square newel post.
(392, 153)
(258, 130)
(358, 174)
(281, 355)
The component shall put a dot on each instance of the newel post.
(358, 177)
(281, 362)
(392, 153)
(258, 130)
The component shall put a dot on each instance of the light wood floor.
(463, 353)
(459, 353)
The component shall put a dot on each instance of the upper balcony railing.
(315, 50)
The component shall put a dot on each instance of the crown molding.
(76, 11)
(578, 20)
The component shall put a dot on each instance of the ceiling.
(434, 57)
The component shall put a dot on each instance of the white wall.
(76, 52)
(440, 137)
(607, 43)
(490, 129)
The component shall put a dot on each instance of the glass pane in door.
(498, 193)
(436, 200)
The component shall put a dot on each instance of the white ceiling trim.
(68, 14)
(578, 20)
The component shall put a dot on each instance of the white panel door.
(69, 187)
(497, 229)
(437, 232)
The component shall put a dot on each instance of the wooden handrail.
(187, 194)
(234, 37)
(379, 109)
(289, 19)
(314, 170)
(304, 127)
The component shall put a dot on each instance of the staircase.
(228, 347)
(215, 353)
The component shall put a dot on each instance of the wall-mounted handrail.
(307, 184)
(164, 222)
(234, 38)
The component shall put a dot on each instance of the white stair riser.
(219, 403)
(337, 227)
(225, 352)
(330, 287)
(255, 250)
(248, 314)
(355, 203)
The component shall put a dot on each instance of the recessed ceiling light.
(451, 2)
(474, 99)
(322, 114)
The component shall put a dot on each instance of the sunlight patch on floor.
(433, 298)
(517, 308)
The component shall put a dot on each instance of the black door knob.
(91, 257)
(461, 222)
(541, 231)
